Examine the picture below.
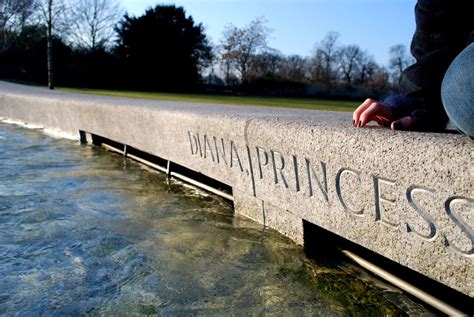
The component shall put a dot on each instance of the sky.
(298, 25)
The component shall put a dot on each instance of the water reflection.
(86, 232)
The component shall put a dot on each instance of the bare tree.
(295, 68)
(49, 24)
(329, 47)
(94, 22)
(265, 63)
(54, 15)
(228, 57)
(240, 44)
(317, 70)
(366, 68)
(349, 58)
(399, 60)
(13, 16)
(379, 79)
(323, 62)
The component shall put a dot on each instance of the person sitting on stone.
(440, 85)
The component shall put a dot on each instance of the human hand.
(372, 110)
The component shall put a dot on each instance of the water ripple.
(83, 232)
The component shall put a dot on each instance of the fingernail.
(360, 123)
(397, 126)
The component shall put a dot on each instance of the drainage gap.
(107, 143)
(199, 179)
(170, 168)
(323, 245)
(148, 159)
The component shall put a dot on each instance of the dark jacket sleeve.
(443, 30)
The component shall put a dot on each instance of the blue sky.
(374, 25)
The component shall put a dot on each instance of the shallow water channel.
(85, 232)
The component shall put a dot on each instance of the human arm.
(443, 30)
(383, 114)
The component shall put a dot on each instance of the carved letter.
(221, 153)
(281, 168)
(252, 177)
(234, 156)
(207, 148)
(194, 145)
(324, 190)
(379, 200)
(465, 228)
(297, 176)
(425, 215)
(341, 172)
(259, 160)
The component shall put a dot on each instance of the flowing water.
(85, 232)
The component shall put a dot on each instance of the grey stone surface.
(407, 196)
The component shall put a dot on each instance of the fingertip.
(396, 125)
(405, 123)
(369, 101)
(355, 120)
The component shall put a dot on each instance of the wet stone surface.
(83, 232)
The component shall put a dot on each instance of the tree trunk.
(227, 73)
(50, 46)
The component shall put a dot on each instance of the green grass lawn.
(302, 103)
